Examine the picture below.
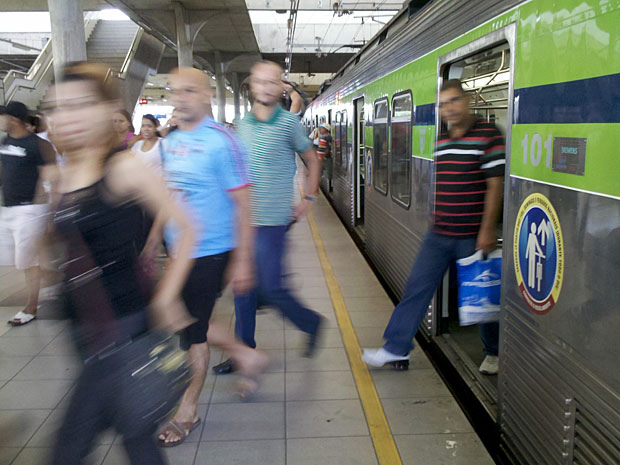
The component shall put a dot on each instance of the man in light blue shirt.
(205, 167)
(202, 167)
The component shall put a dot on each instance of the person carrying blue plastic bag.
(480, 279)
(469, 164)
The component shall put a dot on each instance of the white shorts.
(21, 228)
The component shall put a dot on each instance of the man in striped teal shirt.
(272, 137)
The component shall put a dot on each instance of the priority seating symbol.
(538, 253)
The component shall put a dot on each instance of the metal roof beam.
(325, 5)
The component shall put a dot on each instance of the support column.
(246, 100)
(68, 36)
(220, 88)
(185, 47)
(236, 96)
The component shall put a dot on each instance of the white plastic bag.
(479, 287)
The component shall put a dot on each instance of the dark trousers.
(270, 290)
(436, 255)
(94, 408)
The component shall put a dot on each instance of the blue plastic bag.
(479, 287)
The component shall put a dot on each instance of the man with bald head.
(205, 167)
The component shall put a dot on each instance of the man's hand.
(487, 240)
(170, 314)
(241, 275)
(301, 208)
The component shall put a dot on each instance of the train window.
(380, 148)
(400, 168)
(485, 77)
(337, 141)
(342, 155)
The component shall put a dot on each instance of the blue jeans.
(436, 255)
(270, 290)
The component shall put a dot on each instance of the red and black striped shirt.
(461, 168)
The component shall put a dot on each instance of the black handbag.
(154, 376)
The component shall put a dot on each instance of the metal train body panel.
(559, 381)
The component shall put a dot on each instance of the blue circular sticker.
(538, 253)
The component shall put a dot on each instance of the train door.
(485, 75)
(359, 168)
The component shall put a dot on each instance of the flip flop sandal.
(21, 319)
(182, 429)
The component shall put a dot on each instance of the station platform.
(329, 410)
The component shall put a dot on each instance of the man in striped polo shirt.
(469, 168)
(272, 137)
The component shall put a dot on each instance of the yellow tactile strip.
(383, 441)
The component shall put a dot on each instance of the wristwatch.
(310, 198)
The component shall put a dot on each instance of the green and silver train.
(547, 72)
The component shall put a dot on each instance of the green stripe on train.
(532, 155)
(555, 42)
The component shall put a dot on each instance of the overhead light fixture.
(281, 12)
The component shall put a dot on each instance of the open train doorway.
(359, 163)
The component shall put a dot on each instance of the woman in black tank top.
(97, 210)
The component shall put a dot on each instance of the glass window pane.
(380, 155)
(402, 106)
(341, 154)
(400, 173)
(337, 145)
(485, 77)
(381, 109)
(400, 168)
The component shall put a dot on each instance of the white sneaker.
(490, 365)
(379, 357)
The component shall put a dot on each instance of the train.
(547, 73)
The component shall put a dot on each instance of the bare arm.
(241, 267)
(49, 176)
(314, 171)
(296, 101)
(487, 239)
(132, 177)
(311, 185)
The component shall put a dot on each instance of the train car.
(548, 74)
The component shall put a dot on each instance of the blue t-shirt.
(201, 167)
(272, 145)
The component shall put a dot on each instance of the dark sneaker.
(224, 368)
(313, 339)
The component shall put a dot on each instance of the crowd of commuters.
(218, 204)
(108, 202)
